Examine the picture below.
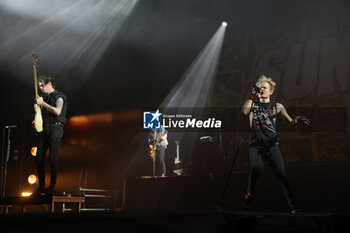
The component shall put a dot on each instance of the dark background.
(146, 57)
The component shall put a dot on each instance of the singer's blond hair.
(269, 80)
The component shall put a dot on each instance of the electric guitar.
(152, 153)
(178, 167)
(154, 148)
(38, 120)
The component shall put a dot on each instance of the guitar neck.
(157, 140)
(177, 151)
(35, 83)
(35, 76)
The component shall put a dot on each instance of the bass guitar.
(152, 153)
(152, 150)
(38, 120)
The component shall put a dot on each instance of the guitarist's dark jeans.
(161, 160)
(258, 155)
(50, 138)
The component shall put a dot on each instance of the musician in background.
(158, 140)
(53, 107)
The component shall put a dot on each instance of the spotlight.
(32, 179)
(224, 24)
(33, 151)
(26, 194)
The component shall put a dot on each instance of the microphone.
(257, 89)
(11, 126)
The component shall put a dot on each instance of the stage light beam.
(66, 37)
(193, 89)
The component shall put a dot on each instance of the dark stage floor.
(205, 221)
(181, 204)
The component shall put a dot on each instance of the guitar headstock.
(34, 58)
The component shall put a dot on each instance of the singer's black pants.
(258, 155)
(50, 138)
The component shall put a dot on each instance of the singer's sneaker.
(295, 209)
(247, 201)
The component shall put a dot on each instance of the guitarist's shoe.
(38, 192)
(50, 190)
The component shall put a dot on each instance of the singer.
(263, 142)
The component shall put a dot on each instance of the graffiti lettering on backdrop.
(318, 65)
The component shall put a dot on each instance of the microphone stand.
(219, 207)
(230, 173)
(4, 166)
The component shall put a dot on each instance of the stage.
(205, 221)
(184, 204)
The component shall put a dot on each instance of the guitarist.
(54, 107)
(158, 141)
